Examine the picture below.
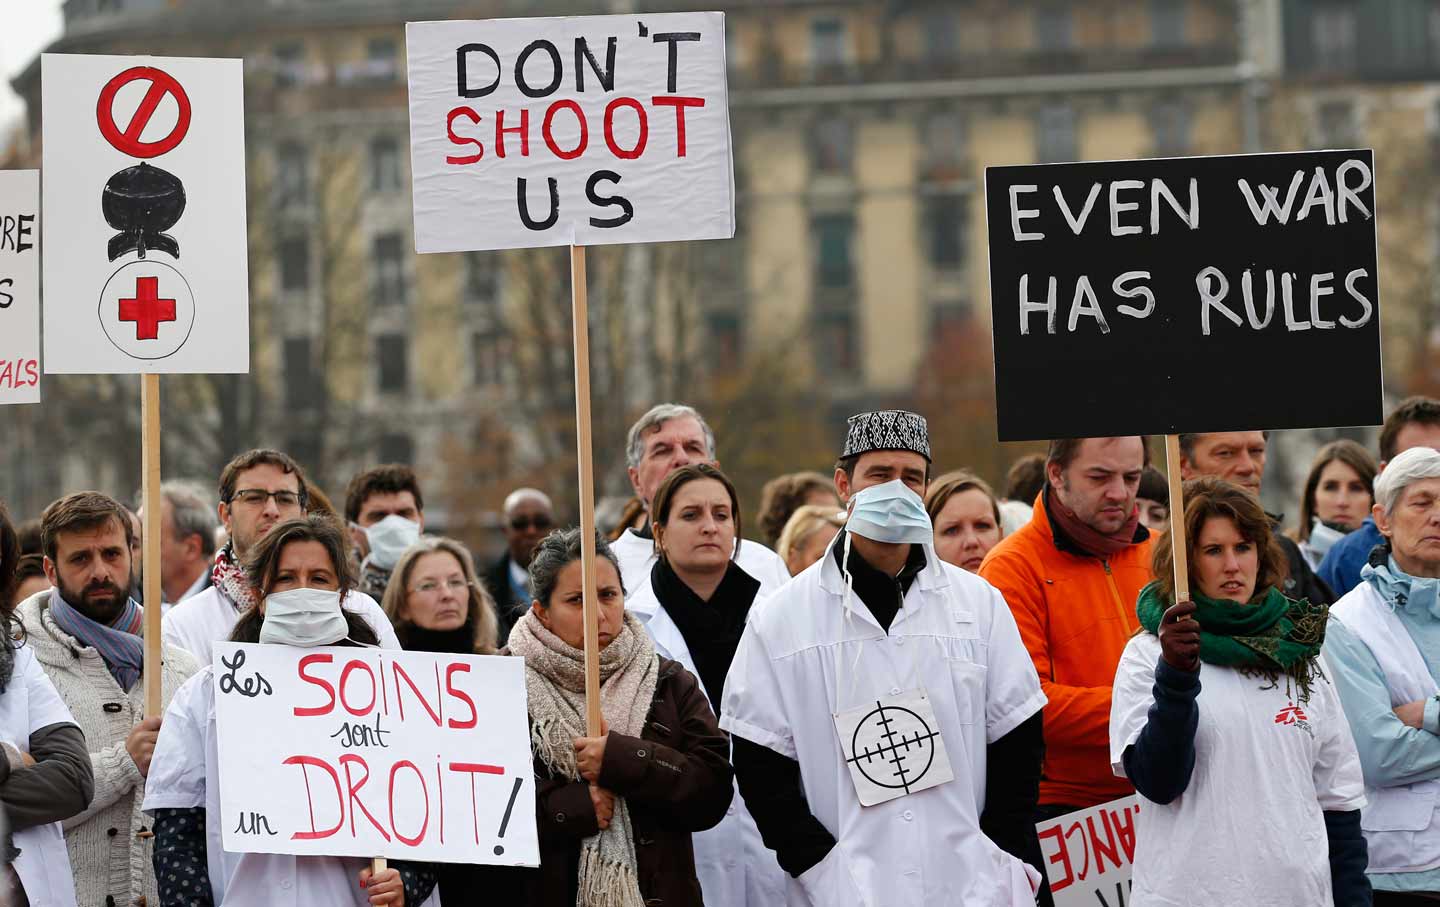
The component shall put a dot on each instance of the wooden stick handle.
(580, 310)
(1177, 518)
(150, 527)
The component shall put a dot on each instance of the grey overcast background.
(29, 26)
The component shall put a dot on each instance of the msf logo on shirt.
(1295, 716)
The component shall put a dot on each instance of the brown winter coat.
(676, 778)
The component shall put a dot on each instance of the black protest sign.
(1186, 294)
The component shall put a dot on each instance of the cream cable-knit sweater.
(107, 853)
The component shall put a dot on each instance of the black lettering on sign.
(523, 202)
(462, 70)
(249, 687)
(673, 39)
(253, 823)
(602, 201)
(6, 298)
(1121, 890)
(1139, 297)
(354, 735)
(556, 72)
(606, 75)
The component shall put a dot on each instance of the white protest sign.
(569, 131)
(1087, 854)
(19, 286)
(375, 753)
(145, 238)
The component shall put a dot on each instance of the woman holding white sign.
(694, 603)
(616, 812)
(303, 575)
(1252, 785)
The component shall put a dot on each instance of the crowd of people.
(1277, 709)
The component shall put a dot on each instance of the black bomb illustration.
(142, 202)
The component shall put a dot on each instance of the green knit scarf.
(1274, 636)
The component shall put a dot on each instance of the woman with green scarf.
(1250, 783)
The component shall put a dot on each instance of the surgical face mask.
(389, 538)
(304, 618)
(890, 513)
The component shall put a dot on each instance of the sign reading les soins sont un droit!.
(375, 752)
(1187, 294)
(569, 130)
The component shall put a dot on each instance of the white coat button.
(899, 640)
(285, 883)
(909, 816)
(894, 691)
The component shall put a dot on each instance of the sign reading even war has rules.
(1088, 854)
(1188, 294)
(19, 286)
(144, 178)
(569, 131)
(375, 753)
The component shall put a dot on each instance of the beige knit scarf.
(555, 682)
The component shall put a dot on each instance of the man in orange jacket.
(1071, 576)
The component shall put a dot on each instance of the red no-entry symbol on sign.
(127, 140)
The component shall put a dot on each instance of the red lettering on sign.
(353, 665)
(328, 707)
(473, 769)
(545, 133)
(473, 117)
(1061, 856)
(523, 130)
(424, 793)
(450, 672)
(679, 103)
(315, 833)
(353, 791)
(400, 696)
(640, 139)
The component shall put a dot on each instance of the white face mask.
(389, 538)
(304, 618)
(890, 513)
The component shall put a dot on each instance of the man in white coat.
(258, 490)
(669, 436)
(885, 716)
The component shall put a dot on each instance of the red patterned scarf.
(230, 577)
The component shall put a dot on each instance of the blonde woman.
(807, 534)
(437, 603)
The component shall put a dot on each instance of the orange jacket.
(1075, 613)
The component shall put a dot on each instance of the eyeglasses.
(256, 497)
(430, 586)
(522, 523)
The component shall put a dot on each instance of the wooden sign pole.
(150, 529)
(580, 310)
(1179, 555)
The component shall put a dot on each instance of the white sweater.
(107, 853)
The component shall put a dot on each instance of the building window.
(382, 60)
(945, 220)
(302, 379)
(294, 263)
(392, 354)
(388, 266)
(1052, 26)
(1334, 35)
(396, 448)
(1336, 122)
(1170, 125)
(482, 281)
(1055, 135)
(832, 146)
(827, 44)
(1167, 23)
(942, 36)
(292, 173)
(385, 172)
(486, 358)
(833, 267)
(836, 335)
(944, 145)
(725, 341)
(290, 64)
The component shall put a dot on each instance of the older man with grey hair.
(669, 436)
(1383, 650)
(187, 540)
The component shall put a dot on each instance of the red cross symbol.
(146, 309)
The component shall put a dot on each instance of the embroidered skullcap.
(887, 429)
(1411, 466)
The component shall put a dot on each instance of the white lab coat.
(636, 555)
(30, 703)
(734, 866)
(184, 773)
(197, 623)
(956, 638)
